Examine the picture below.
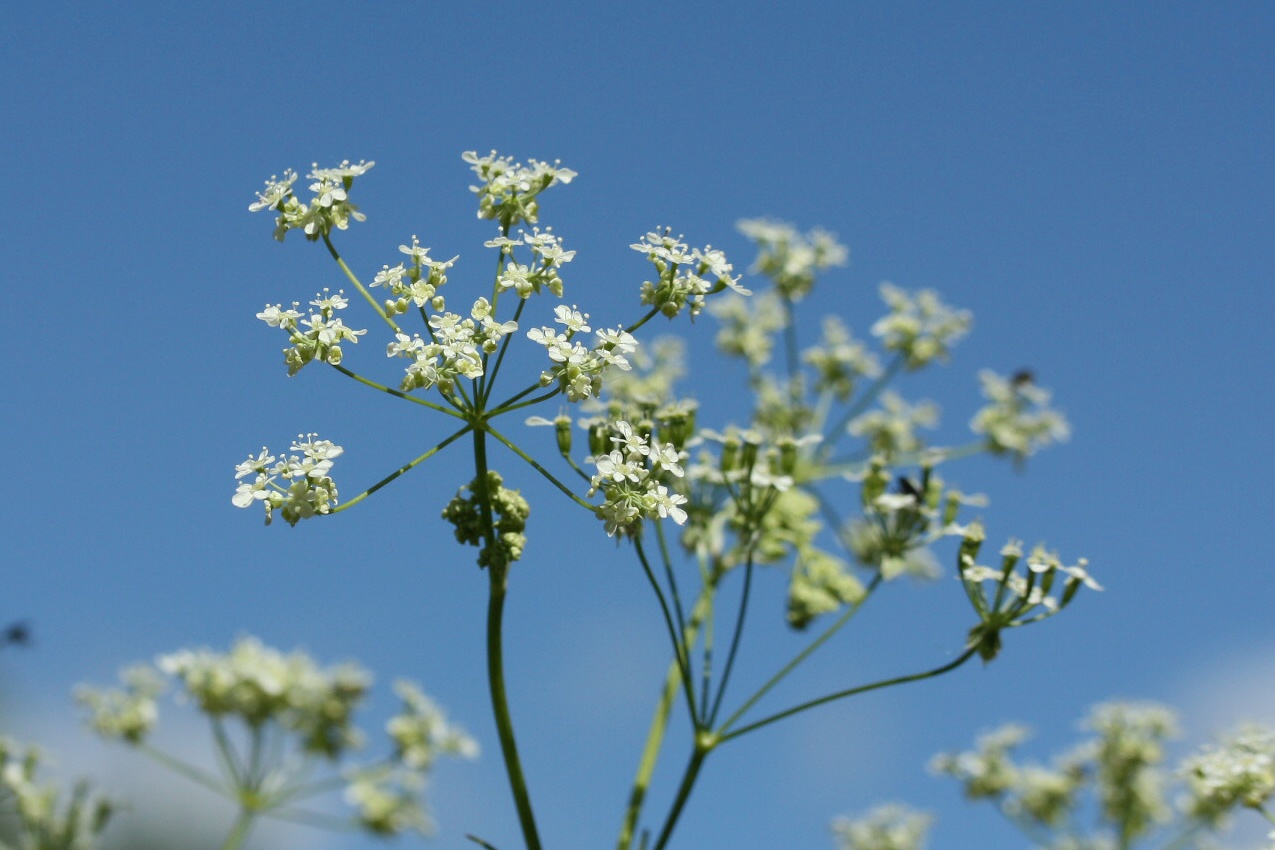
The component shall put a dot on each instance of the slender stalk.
(734, 641)
(402, 469)
(861, 403)
(679, 646)
(191, 772)
(380, 311)
(659, 720)
(396, 393)
(536, 466)
(500, 357)
(498, 583)
(239, 832)
(884, 683)
(802, 656)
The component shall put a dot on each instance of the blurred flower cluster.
(283, 730)
(35, 812)
(1117, 778)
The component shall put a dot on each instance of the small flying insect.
(16, 634)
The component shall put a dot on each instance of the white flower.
(575, 321)
(276, 190)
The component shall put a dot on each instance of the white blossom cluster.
(417, 285)
(35, 811)
(685, 276)
(456, 348)
(258, 684)
(509, 190)
(1019, 598)
(579, 370)
(1241, 772)
(388, 798)
(324, 330)
(840, 360)
(892, 826)
(789, 258)
(306, 711)
(329, 208)
(891, 429)
(629, 478)
(1019, 420)
(309, 489)
(748, 326)
(530, 279)
(920, 327)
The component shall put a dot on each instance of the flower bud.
(562, 430)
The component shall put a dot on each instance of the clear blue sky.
(1095, 181)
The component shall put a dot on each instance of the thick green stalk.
(704, 744)
(498, 575)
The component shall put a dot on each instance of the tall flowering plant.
(699, 508)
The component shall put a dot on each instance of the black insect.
(908, 488)
(16, 634)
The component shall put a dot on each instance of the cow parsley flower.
(791, 259)
(1018, 421)
(919, 327)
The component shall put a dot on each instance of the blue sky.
(1094, 181)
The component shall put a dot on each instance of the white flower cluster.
(129, 713)
(790, 259)
(580, 369)
(685, 275)
(389, 797)
(1018, 421)
(509, 189)
(456, 348)
(1241, 772)
(840, 360)
(279, 694)
(629, 478)
(324, 330)
(421, 733)
(33, 810)
(1018, 599)
(921, 328)
(527, 280)
(748, 326)
(888, 827)
(258, 684)
(891, 429)
(417, 285)
(329, 208)
(309, 489)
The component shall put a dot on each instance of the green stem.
(380, 311)
(735, 639)
(397, 393)
(680, 649)
(703, 746)
(536, 466)
(191, 772)
(239, 832)
(803, 655)
(831, 436)
(498, 575)
(659, 721)
(500, 357)
(396, 473)
(884, 683)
